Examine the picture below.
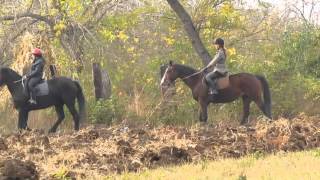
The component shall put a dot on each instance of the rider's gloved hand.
(24, 77)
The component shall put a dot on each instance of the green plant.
(104, 111)
(62, 174)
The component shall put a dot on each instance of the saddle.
(41, 89)
(222, 82)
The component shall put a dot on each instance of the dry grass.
(300, 165)
(98, 152)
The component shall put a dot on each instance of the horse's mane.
(184, 70)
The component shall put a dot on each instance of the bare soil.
(101, 151)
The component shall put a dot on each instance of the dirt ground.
(98, 151)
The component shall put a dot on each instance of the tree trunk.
(191, 31)
(101, 82)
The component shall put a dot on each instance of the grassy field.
(299, 165)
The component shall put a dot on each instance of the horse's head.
(169, 77)
(8, 75)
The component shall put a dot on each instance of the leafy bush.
(105, 111)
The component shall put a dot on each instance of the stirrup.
(32, 101)
(213, 91)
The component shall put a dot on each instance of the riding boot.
(32, 99)
(213, 87)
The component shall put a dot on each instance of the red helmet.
(37, 52)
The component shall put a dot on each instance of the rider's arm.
(37, 70)
(214, 61)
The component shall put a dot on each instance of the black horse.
(62, 91)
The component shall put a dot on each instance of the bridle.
(187, 77)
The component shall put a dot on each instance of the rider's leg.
(31, 86)
(211, 79)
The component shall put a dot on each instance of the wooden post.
(53, 70)
(101, 81)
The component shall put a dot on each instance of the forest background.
(131, 39)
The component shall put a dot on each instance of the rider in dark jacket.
(36, 73)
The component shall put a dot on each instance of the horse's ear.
(170, 62)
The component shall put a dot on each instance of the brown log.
(101, 81)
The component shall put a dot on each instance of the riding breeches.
(32, 83)
(211, 78)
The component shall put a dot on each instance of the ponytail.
(224, 50)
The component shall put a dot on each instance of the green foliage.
(105, 111)
(259, 154)
(62, 174)
(242, 177)
(134, 42)
(317, 153)
(139, 43)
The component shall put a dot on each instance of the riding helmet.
(219, 41)
(37, 52)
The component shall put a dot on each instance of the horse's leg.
(75, 115)
(61, 116)
(23, 119)
(246, 109)
(203, 117)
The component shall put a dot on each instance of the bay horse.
(62, 91)
(248, 86)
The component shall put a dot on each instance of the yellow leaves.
(231, 51)
(136, 40)
(130, 49)
(169, 41)
(226, 9)
(59, 27)
(172, 29)
(72, 6)
(122, 36)
(108, 35)
(180, 89)
(149, 80)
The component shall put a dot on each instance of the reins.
(196, 73)
(18, 81)
(189, 76)
(21, 80)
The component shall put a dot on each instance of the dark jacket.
(37, 68)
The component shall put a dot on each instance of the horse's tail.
(266, 95)
(81, 101)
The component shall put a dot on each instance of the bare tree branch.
(28, 15)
